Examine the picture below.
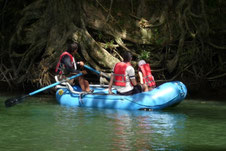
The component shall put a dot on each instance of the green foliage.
(144, 55)
(158, 37)
(100, 35)
(109, 44)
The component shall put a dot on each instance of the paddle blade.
(14, 101)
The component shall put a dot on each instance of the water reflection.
(44, 126)
(142, 130)
(38, 125)
(106, 129)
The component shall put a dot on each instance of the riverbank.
(196, 92)
(206, 92)
(217, 95)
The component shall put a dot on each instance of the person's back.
(67, 66)
(123, 72)
(145, 75)
(123, 77)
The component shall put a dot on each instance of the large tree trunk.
(176, 37)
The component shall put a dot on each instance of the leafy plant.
(109, 44)
(144, 55)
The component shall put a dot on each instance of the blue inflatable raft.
(163, 96)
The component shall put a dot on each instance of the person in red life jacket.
(123, 77)
(146, 78)
(67, 66)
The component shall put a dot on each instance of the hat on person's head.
(141, 62)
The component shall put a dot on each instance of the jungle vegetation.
(182, 40)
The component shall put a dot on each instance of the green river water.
(40, 124)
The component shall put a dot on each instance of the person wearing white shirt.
(123, 77)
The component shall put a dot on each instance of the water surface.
(41, 124)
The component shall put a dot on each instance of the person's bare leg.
(150, 88)
(81, 83)
(84, 84)
(145, 88)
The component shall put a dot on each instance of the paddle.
(13, 101)
(98, 72)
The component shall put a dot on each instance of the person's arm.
(141, 77)
(68, 65)
(134, 81)
(81, 63)
(131, 73)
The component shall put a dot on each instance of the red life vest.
(147, 76)
(120, 74)
(60, 66)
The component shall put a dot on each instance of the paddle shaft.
(54, 84)
(14, 101)
(98, 72)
